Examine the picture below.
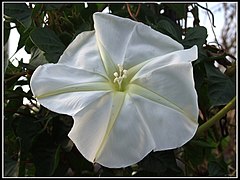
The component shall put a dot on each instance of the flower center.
(120, 76)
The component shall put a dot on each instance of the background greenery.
(35, 139)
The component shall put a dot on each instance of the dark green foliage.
(45, 154)
(36, 140)
(217, 168)
(178, 9)
(195, 36)
(19, 12)
(46, 40)
(221, 88)
(162, 163)
(169, 28)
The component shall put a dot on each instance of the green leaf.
(195, 36)
(29, 45)
(15, 98)
(10, 76)
(201, 86)
(24, 36)
(27, 129)
(56, 159)
(204, 143)
(221, 88)
(19, 12)
(101, 6)
(66, 38)
(53, 6)
(161, 163)
(61, 128)
(45, 154)
(46, 40)
(37, 57)
(170, 29)
(77, 162)
(217, 168)
(37, 9)
(119, 9)
(225, 142)
(179, 8)
(195, 154)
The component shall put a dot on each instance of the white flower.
(129, 89)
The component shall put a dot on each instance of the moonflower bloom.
(129, 89)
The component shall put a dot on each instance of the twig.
(130, 13)
(133, 16)
(138, 10)
(215, 37)
(209, 12)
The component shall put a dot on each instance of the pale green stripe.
(133, 70)
(148, 94)
(118, 100)
(93, 86)
(109, 65)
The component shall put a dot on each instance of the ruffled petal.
(171, 82)
(111, 131)
(93, 125)
(83, 53)
(128, 42)
(66, 90)
(129, 140)
(169, 127)
(90, 126)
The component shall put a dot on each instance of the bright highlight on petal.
(129, 89)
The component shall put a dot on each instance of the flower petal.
(90, 125)
(83, 53)
(128, 42)
(66, 90)
(111, 132)
(176, 57)
(94, 123)
(129, 140)
(169, 128)
(172, 81)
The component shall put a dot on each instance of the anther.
(115, 74)
(119, 77)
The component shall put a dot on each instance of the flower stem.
(216, 117)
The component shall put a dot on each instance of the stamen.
(119, 77)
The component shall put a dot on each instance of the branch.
(216, 117)
(209, 12)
